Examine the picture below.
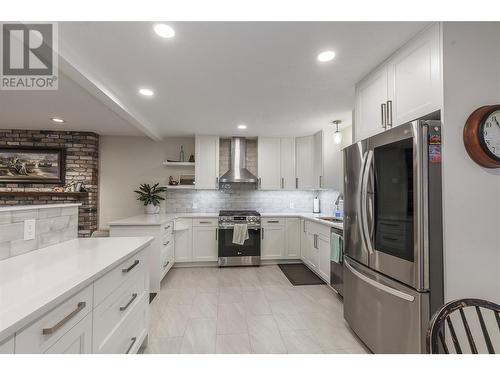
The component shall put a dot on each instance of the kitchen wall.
(262, 201)
(471, 193)
(126, 162)
(53, 225)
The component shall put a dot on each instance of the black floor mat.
(299, 274)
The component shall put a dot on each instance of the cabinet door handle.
(205, 222)
(123, 308)
(273, 221)
(389, 113)
(216, 233)
(262, 233)
(282, 182)
(166, 264)
(133, 339)
(167, 227)
(260, 183)
(383, 113)
(126, 270)
(216, 181)
(320, 182)
(166, 243)
(63, 321)
(296, 182)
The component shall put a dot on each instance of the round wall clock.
(482, 136)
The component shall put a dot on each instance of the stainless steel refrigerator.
(393, 236)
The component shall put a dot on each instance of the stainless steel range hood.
(238, 173)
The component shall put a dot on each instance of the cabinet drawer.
(7, 346)
(129, 335)
(44, 332)
(167, 228)
(166, 257)
(76, 341)
(205, 222)
(273, 221)
(117, 276)
(315, 228)
(111, 313)
(166, 240)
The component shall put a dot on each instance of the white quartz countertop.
(37, 206)
(158, 219)
(32, 284)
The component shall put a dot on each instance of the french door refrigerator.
(393, 264)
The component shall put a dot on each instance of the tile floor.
(246, 310)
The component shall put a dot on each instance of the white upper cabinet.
(370, 106)
(319, 171)
(305, 163)
(269, 163)
(415, 78)
(288, 163)
(207, 162)
(406, 87)
(332, 161)
(276, 163)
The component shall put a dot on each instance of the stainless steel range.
(231, 254)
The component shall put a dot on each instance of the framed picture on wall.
(32, 165)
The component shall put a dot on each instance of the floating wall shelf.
(178, 163)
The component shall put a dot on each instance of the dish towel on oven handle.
(240, 234)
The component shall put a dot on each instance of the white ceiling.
(209, 78)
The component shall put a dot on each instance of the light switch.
(29, 229)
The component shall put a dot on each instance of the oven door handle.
(378, 285)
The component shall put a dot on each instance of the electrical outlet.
(292, 205)
(29, 229)
(195, 206)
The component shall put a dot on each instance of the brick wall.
(82, 164)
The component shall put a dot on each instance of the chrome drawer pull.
(168, 226)
(166, 264)
(273, 221)
(51, 330)
(125, 270)
(166, 243)
(134, 339)
(205, 222)
(134, 296)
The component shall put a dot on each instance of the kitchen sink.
(332, 219)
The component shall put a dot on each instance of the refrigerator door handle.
(376, 284)
(364, 199)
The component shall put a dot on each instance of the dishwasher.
(336, 269)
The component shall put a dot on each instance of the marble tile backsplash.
(262, 201)
(52, 225)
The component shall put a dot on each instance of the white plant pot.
(151, 209)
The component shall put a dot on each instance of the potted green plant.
(150, 196)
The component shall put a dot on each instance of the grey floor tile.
(265, 337)
(300, 342)
(199, 337)
(238, 343)
(231, 318)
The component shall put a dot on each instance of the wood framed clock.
(482, 136)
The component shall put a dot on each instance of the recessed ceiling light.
(326, 56)
(164, 31)
(146, 92)
(58, 120)
(242, 126)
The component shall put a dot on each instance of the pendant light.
(337, 136)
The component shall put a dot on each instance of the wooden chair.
(435, 334)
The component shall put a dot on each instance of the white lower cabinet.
(292, 249)
(7, 346)
(159, 259)
(205, 243)
(324, 257)
(183, 240)
(78, 340)
(108, 316)
(315, 248)
(273, 239)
